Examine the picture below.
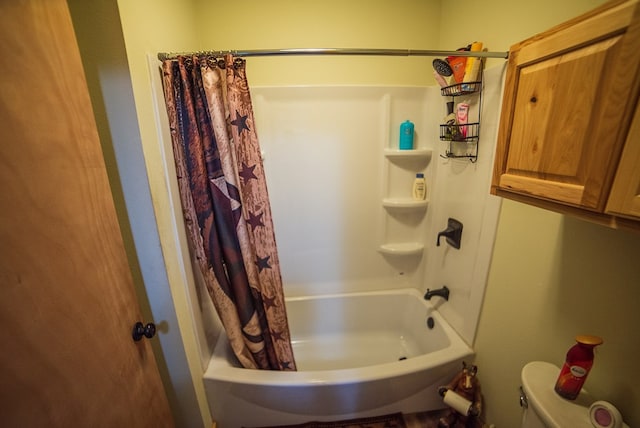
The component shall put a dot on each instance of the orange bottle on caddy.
(576, 367)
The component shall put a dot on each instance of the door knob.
(140, 330)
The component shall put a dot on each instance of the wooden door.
(624, 199)
(566, 107)
(67, 304)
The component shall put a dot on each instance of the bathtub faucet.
(442, 292)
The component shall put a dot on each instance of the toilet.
(544, 408)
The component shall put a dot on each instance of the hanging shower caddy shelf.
(464, 136)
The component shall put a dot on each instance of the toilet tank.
(530, 418)
(546, 409)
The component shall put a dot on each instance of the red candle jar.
(576, 367)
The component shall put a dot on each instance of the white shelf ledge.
(415, 153)
(404, 203)
(402, 248)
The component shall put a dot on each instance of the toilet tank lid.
(538, 381)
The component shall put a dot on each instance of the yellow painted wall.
(501, 23)
(554, 277)
(281, 24)
(151, 26)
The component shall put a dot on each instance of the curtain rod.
(338, 51)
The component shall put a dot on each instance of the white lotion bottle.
(419, 188)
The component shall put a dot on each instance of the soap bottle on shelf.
(576, 367)
(419, 187)
(406, 135)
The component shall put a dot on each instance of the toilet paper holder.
(458, 402)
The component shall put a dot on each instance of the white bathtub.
(358, 355)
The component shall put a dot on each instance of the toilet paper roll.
(457, 402)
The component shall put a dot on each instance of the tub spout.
(442, 292)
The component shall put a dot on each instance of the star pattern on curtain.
(269, 302)
(255, 220)
(241, 122)
(263, 263)
(247, 172)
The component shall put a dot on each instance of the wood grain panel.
(67, 303)
(612, 20)
(625, 192)
(565, 108)
(553, 114)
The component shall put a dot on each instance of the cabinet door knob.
(140, 330)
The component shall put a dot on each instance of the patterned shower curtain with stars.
(226, 206)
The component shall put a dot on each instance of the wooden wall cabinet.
(569, 100)
(624, 199)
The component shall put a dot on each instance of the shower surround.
(327, 174)
(324, 150)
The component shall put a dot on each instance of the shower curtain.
(226, 206)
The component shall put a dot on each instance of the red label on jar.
(570, 381)
(578, 371)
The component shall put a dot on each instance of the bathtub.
(358, 355)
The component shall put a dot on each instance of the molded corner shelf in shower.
(406, 154)
(402, 249)
(404, 203)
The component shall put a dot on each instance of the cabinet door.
(563, 114)
(625, 194)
